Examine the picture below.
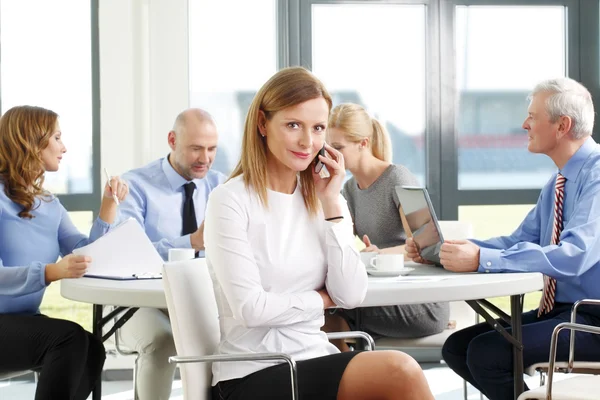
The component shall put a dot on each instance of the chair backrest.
(194, 320)
(460, 311)
(455, 230)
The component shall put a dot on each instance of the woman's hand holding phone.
(328, 189)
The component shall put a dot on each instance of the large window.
(448, 78)
(374, 55)
(232, 53)
(46, 61)
(499, 220)
(496, 67)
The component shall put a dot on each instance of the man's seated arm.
(577, 251)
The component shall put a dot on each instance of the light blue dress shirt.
(575, 261)
(155, 200)
(27, 245)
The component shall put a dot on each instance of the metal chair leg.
(466, 392)
(135, 368)
(126, 352)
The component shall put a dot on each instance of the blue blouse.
(27, 245)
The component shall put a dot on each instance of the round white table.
(427, 284)
(443, 286)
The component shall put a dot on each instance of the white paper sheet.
(125, 252)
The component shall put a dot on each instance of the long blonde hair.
(357, 124)
(287, 88)
(24, 132)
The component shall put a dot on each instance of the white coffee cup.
(181, 254)
(366, 257)
(388, 262)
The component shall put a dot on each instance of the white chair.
(583, 387)
(572, 366)
(579, 388)
(195, 323)
(456, 230)
(578, 367)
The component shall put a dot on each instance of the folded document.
(123, 253)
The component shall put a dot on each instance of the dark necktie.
(188, 213)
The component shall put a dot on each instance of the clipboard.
(123, 253)
(133, 277)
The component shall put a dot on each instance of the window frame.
(452, 196)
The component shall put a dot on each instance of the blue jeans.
(481, 356)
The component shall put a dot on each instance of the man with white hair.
(168, 198)
(560, 238)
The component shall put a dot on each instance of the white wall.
(143, 86)
(143, 78)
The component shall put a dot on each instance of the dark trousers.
(69, 358)
(481, 356)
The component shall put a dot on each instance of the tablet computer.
(420, 222)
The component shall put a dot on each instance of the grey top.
(374, 210)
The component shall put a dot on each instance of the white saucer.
(395, 272)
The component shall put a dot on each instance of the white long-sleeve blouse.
(267, 265)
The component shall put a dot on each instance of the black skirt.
(318, 379)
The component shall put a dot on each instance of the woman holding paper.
(35, 229)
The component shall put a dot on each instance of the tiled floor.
(444, 384)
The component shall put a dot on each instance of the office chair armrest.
(554, 342)
(370, 343)
(244, 357)
(574, 321)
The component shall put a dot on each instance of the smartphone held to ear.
(319, 166)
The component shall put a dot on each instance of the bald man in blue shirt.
(559, 238)
(168, 198)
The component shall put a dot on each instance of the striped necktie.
(547, 300)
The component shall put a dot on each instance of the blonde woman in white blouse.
(280, 248)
